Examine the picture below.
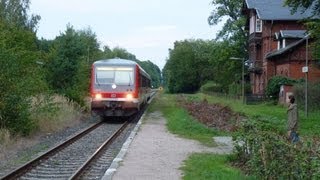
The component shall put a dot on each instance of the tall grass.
(55, 112)
(5, 137)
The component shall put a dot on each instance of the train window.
(117, 75)
(104, 76)
(124, 77)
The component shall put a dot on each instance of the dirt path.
(157, 154)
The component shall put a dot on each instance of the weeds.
(54, 112)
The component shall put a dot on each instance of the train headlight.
(114, 86)
(129, 96)
(98, 96)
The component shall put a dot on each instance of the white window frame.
(258, 21)
(252, 24)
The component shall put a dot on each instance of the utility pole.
(306, 70)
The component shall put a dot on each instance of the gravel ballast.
(26, 149)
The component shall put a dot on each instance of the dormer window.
(281, 43)
(255, 25)
(258, 25)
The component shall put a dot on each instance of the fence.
(249, 98)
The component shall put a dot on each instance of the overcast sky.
(145, 28)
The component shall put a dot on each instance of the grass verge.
(202, 166)
(197, 166)
(180, 122)
(213, 166)
(276, 115)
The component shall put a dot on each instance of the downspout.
(266, 78)
(274, 64)
(270, 39)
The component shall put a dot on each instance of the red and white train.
(118, 87)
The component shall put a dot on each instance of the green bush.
(267, 154)
(20, 78)
(15, 87)
(235, 89)
(16, 114)
(313, 95)
(211, 87)
(274, 84)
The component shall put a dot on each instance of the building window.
(258, 25)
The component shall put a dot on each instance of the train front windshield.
(114, 75)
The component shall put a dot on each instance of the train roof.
(115, 61)
(120, 62)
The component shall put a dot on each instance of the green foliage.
(192, 63)
(274, 84)
(69, 62)
(225, 71)
(211, 87)
(15, 13)
(204, 166)
(267, 153)
(302, 5)
(118, 52)
(180, 122)
(152, 69)
(182, 68)
(234, 89)
(232, 30)
(20, 77)
(313, 95)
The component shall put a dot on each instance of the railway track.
(86, 155)
(77, 158)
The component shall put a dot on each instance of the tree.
(225, 71)
(232, 32)
(153, 70)
(193, 63)
(69, 62)
(15, 12)
(188, 65)
(20, 77)
(118, 52)
(304, 5)
(233, 28)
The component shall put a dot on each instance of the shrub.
(15, 87)
(235, 89)
(313, 95)
(273, 87)
(268, 155)
(54, 112)
(211, 87)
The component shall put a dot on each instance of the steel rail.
(81, 169)
(32, 163)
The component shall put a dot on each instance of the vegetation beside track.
(180, 122)
(267, 124)
(50, 113)
(211, 166)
